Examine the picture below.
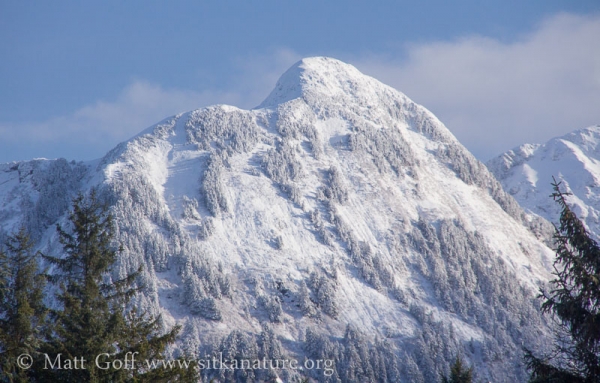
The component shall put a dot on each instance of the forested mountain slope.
(337, 220)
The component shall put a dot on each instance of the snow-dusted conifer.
(272, 306)
(213, 188)
(269, 345)
(324, 292)
(304, 301)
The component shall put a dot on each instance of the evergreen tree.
(458, 373)
(574, 301)
(22, 311)
(93, 319)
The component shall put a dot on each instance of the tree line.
(573, 302)
(91, 314)
(90, 333)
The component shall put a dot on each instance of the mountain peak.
(587, 138)
(526, 172)
(317, 75)
(339, 213)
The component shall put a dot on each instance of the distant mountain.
(574, 159)
(337, 220)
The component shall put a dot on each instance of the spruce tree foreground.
(93, 316)
(92, 319)
(21, 305)
(459, 373)
(574, 301)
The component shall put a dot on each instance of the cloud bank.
(93, 130)
(493, 95)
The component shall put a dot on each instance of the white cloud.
(494, 95)
(94, 129)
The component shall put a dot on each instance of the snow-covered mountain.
(574, 159)
(337, 220)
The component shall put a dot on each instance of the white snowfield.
(574, 159)
(336, 204)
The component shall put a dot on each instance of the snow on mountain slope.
(36, 193)
(338, 216)
(574, 159)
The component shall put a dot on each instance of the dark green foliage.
(458, 373)
(574, 302)
(89, 321)
(22, 311)
(140, 335)
(93, 319)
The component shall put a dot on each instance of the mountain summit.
(574, 159)
(338, 220)
(322, 77)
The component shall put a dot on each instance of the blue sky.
(76, 78)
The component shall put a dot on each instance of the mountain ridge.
(526, 172)
(337, 208)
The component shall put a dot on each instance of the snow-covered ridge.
(574, 159)
(336, 208)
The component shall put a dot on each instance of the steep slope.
(337, 220)
(574, 159)
(35, 194)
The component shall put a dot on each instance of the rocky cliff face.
(337, 220)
